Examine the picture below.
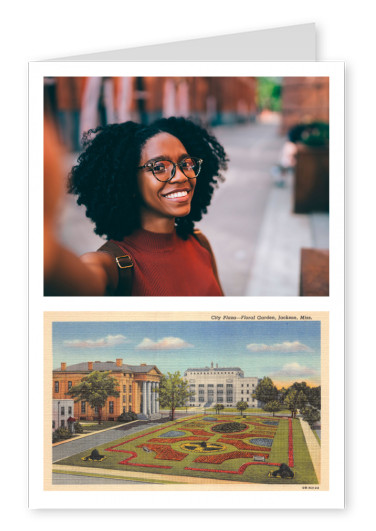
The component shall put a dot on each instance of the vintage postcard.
(192, 401)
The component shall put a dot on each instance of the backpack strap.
(204, 242)
(125, 267)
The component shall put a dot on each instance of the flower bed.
(260, 441)
(221, 458)
(229, 427)
(163, 451)
(241, 445)
(178, 439)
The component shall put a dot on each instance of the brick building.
(138, 388)
(304, 100)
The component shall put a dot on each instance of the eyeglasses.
(165, 170)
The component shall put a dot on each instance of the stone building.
(222, 385)
(138, 388)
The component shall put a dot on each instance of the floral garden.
(245, 449)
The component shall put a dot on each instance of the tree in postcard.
(95, 389)
(173, 392)
(273, 406)
(241, 406)
(295, 400)
(265, 391)
(218, 407)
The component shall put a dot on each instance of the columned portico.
(149, 398)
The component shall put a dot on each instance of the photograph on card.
(186, 186)
(186, 401)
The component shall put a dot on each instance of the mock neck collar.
(153, 241)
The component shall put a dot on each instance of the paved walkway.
(314, 448)
(75, 446)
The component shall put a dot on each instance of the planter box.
(314, 273)
(311, 185)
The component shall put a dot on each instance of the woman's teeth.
(176, 194)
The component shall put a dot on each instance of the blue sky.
(285, 351)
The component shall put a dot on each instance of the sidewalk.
(276, 265)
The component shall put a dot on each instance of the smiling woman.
(144, 187)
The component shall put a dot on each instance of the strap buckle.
(128, 261)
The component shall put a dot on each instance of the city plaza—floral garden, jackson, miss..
(222, 447)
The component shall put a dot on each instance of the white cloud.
(295, 370)
(286, 346)
(108, 341)
(166, 343)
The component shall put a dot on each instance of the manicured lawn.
(94, 426)
(211, 446)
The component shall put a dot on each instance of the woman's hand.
(64, 272)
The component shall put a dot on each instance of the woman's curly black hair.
(105, 177)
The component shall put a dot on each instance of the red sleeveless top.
(166, 265)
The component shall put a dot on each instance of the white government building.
(223, 385)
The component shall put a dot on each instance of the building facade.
(222, 385)
(138, 388)
(62, 410)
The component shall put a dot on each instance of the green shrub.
(127, 417)
(78, 427)
(61, 434)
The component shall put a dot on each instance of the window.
(228, 386)
(219, 385)
(62, 423)
(247, 385)
(56, 387)
(62, 410)
(130, 398)
(124, 409)
(247, 391)
(201, 385)
(201, 399)
(201, 392)
(130, 388)
(220, 399)
(124, 399)
(53, 424)
(69, 385)
(124, 388)
(210, 385)
(69, 410)
(96, 410)
(111, 406)
(83, 406)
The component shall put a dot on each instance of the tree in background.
(218, 407)
(272, 406)
(295, 400)
(95, 389)
(173, 392)
(265, 391)
(241, 406)
(269, 93)
(310, 415)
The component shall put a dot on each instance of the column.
(152, 397)
(148, 390)
(144, 399)
(157, 397)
